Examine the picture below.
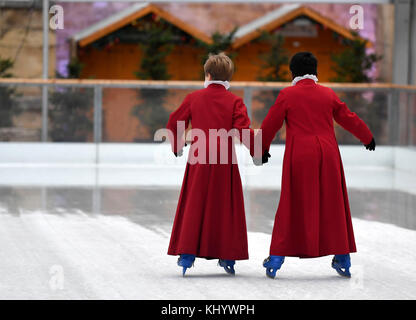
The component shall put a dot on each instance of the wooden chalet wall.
(248, 61)
(123, 59)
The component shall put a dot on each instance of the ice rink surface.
(83, 230)
(111, 243)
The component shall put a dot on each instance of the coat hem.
(210, 256)
(306, 256)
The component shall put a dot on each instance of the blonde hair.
(219, 66)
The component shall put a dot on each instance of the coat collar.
(306, 76)
(226, 84)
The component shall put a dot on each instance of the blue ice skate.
(228, 265)
(342, 263)
(272, 264)
(186, 261)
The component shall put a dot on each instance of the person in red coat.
(313, 218)
(210, 219)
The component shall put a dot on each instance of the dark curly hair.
(303, 63)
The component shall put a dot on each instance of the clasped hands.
(266, 155)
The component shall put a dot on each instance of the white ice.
(84, 256)
(79, 256)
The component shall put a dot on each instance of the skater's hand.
(179, 153)
(257, 161)
(371, 146)
(264, 159)
(266, 156)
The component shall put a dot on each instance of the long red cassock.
(210, 218)
(313, 217)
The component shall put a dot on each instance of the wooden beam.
(116, 25)
(267, 27)
(327, 22)
(190, 84)
(183, 25)
(291, 16)
(139, 14)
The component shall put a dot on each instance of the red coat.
(210, 219)
(313, 218)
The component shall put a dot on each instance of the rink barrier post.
(248, 97)
(98, 99)
(411, 118)
(45, 68)
(44, 132)
(390, 115)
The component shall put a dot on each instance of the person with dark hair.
(303, 63)
(313, 218)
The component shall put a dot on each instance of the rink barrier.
(160, 155)
(146, 165)
(397, 123)
(180, 84)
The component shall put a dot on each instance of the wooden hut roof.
(280, 16)
(126, 16)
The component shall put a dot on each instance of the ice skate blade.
(345, 274)
(342, 273)
(271, 273)
(185, 263)
(185, 268)
(228, 269)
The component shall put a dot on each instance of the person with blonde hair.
(210, 219)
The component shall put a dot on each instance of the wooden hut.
(110, 49)
(302, 28)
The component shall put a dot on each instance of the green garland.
(69, 109)
(8, 104)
